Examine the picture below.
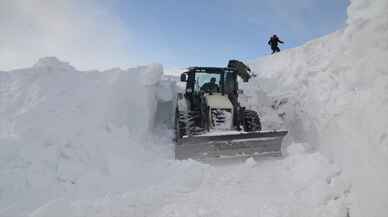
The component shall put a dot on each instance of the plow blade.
(230, 145)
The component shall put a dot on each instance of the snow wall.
(332, 93)
(71, 135)
(62, 131)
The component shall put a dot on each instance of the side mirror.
(183, 77)
(239, 92)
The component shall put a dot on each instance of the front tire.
(186, 123)
(180, 125)
(251, 121)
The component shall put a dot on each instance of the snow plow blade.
(230, 145)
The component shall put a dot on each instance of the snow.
(94, 143)
(259, 189)
(64, 132)
(83, 143)
(331, 93)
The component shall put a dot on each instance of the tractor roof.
(240, 68)
(210, 70)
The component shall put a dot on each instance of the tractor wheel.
(186, 123)
(251, 121)
(180, 125)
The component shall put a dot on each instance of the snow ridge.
(334, 97)
(82, 143)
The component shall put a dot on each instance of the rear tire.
(251, 121)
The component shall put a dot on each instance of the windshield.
(207, 82)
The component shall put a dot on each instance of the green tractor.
(211, 123)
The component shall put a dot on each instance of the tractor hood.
(218, 101)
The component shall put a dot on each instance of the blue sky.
(100, 34)
(209, 32)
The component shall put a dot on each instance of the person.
(273, 42)
(211, 86)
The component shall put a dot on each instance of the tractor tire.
(185, 123)
(180, 125)
(251, 121)
(242, 69)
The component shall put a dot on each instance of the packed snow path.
(302, 185)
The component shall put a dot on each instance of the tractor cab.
(209, 81)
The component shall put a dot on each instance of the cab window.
(206, 82)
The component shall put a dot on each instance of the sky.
(98, 34)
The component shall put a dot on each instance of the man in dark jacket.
(210, 87)
(273, 42)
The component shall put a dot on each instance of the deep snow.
(90, 144)
(67, 151)
(332, 93)
(77, 143)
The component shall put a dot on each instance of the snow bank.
(166, 98)
(80, 144)
(65, 133)
(332, 93)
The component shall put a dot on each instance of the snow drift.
(77, 143)
(332, 93)
(62, 130)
